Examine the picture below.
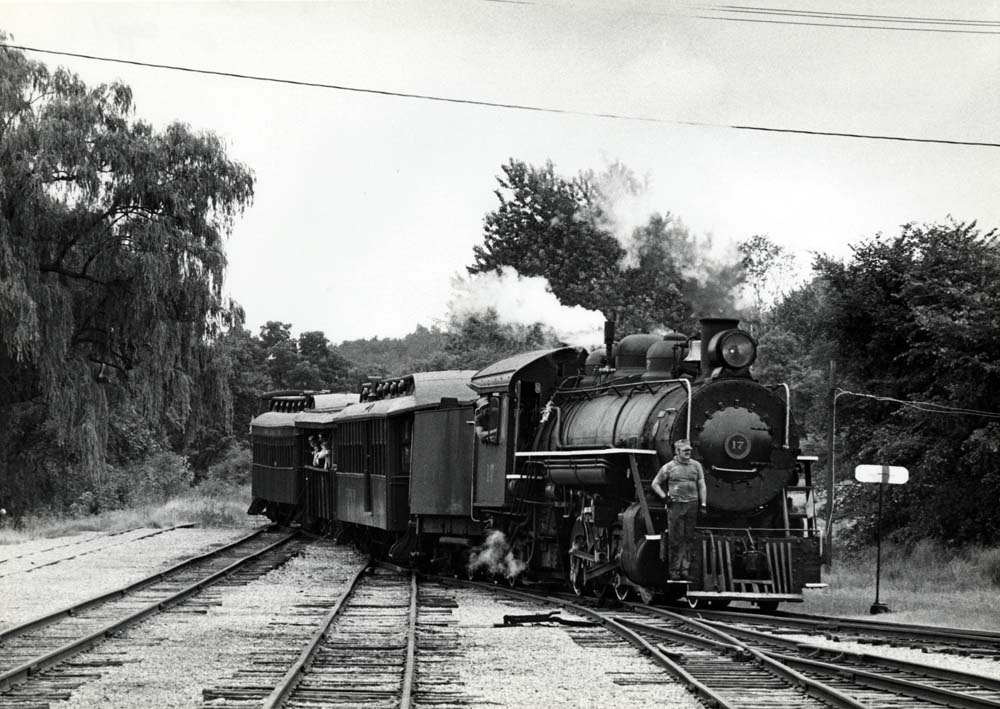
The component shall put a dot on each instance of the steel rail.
(286, 685)
(895, 685)
(123, 591)
(661, 658)
(812, 687)
(724, 644)
(834, 624)
(863, 658)
(678, 636)
(873, 680)
(411, 648)
(34, 666)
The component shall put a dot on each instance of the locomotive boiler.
(538, 467)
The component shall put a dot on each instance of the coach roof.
(427, 391)
(327, 408)
(499, 375)
(275, 419)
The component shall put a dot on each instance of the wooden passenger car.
(316, 479)
(373, 446)
(281, 450)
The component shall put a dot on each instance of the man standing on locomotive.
(684, 493)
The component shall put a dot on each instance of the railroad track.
(32, 561)
(729, 665)
(870, 680)
(35, 665)
(368, 657)
(362, 651)
(932, 639)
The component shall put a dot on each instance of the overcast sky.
(366, 205)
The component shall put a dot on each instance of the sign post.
(881, 474)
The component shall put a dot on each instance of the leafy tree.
(481, 339)
(333, 370)
(917, 318)
(551, 227)
(111, 265)
(676, 279)
(562, 229)
(272, 333)
(248, 378)
(912, 323)
(307, 362)
(420, 351)
(766, 266)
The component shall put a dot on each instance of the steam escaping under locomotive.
(538, 468)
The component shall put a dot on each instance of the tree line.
(125, 374)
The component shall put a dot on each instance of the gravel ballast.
(29, 589)
(168, 660)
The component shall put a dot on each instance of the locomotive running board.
(747, 596)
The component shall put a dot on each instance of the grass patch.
(925, 584)
(212, 504)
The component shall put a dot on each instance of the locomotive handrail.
(736, 470)
(687, 386)
(582, 452)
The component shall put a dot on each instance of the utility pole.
(831, 441)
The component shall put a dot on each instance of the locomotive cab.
(508, 493)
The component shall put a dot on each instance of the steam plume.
(496, 558)
(525, 301)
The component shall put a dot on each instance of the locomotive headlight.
(736, 349)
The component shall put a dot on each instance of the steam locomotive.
(539, 466)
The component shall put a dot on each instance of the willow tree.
(111, 271)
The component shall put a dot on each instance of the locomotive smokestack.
(609, 342)
(710, 327)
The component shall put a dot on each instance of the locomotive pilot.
(681, 483)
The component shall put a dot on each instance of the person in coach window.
(681, 483)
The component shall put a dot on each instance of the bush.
(988, 563)
(158, 478)
(234, 468)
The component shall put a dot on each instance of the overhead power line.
(808, 18)
(925, 406)
(511, 106)
(846, 20)
(852, 15)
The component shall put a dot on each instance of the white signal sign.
(892, 474)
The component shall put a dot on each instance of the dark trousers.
(681, 520)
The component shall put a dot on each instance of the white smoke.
(494, 556)
(627, 206)
(525, 301)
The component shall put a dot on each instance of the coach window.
(488, 419)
